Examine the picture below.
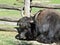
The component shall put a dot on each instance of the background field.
(8, 38)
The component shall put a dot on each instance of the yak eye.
(45, 33)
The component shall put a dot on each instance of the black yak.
(25, 29)
(48, 26)
(44, 28)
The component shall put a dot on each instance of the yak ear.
(17, 28)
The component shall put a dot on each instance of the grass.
(10, 13)
(12, 2)
(55, 1)
(8, 38)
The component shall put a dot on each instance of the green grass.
(55, 1)
(34, 10)
(11, 2)
(7, 38)
(10, 13)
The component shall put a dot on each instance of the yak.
(44, 27)
(25, 29)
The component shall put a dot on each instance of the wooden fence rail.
(51, 6)
(8, 19)
(8, 29)
(4, 6)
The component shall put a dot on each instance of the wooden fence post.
(27, 8)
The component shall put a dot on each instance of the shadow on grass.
(24, 43)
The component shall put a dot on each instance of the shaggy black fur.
(45, 27)
(26, 29)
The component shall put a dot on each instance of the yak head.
(25, 29)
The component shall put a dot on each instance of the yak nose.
(22, 36)
(17, 36)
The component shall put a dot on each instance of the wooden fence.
(37, 5)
